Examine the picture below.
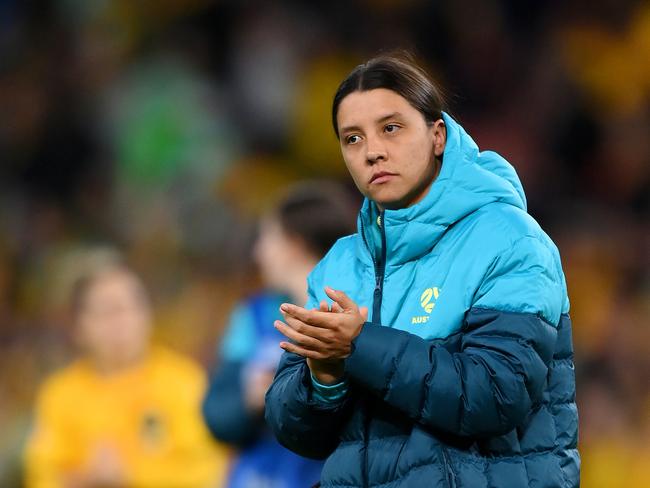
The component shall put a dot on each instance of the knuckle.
(309, 320)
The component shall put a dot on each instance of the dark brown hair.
(318, 213)
(399, 72)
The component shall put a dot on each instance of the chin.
(392, 205)
(388, 201)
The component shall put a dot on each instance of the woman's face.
(389, 149)
(275, 253)
(113, 324)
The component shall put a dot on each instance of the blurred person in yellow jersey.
(125, 413)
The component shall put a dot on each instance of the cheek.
(356, 168)
(273, 255)
(265, 249)
(273, 250)
(93, 332)
(419, 156)
(137, 320)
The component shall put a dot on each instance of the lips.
(381, 177)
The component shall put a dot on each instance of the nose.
(375, 151)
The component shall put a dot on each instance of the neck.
(107, 366)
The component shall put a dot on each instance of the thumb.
(364, 313)
(341, 298)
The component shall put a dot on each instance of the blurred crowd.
(166, 129)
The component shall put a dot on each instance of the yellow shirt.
(615, 463)
(148, 418)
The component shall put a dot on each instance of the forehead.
(113, 283)
(368, 106)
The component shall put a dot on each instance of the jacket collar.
(468, 180)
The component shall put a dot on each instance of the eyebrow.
(381, 119)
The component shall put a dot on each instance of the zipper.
(380, 269)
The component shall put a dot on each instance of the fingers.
(323, 316)
(324, 307)
(317, 318)
(320, 333)
(306, 353)
(298, 337)
(344, 301)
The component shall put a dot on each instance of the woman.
(445, 358)
(293, 237)
(125, 413)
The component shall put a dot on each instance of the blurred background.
(166, 127)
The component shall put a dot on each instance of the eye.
(353, 139)
(390, 128)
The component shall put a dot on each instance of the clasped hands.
(323, 335)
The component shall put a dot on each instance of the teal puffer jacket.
(463, 376)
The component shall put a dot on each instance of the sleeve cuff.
(328, 393)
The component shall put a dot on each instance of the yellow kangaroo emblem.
(427, 295)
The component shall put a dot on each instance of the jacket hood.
(468, 180)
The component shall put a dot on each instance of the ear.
(439, 131)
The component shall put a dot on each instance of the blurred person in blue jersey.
(435, 347)
(293, 237)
